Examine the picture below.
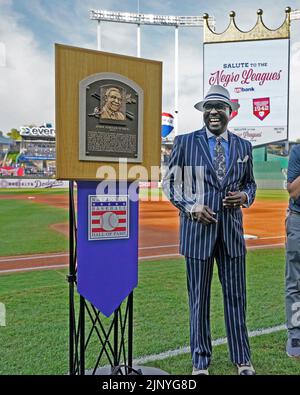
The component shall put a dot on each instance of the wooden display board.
(74, 65)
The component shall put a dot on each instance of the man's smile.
(214, 119)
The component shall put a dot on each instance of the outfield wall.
(23, 183)
(270, 175)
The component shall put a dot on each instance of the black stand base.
(143, 370)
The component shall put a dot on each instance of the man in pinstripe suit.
(209, 179)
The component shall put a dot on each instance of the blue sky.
(29, 29)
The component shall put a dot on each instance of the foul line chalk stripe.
(26, 269)
(217, 342)
(32, 257)
(140, 258)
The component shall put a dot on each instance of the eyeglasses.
(216, 106)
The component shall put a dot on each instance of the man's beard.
(216, 124)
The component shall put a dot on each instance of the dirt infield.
(158, 230)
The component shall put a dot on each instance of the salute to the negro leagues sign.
(210, 177)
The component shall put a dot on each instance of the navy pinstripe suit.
(191, 179)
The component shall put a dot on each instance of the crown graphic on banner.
(258, 32)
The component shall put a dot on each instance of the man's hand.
(294, 188)
(235, 199)
(204, 215)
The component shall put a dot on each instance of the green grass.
(150, 193)
(261, 194)
(35, 191)
(35, 340)
(25, 228)
(272, 194)
(276, 194)
(268, 357)
(25, 224)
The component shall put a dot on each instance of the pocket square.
(243, 160)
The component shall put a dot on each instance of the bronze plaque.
(111, 112)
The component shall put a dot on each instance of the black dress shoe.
(245, 369)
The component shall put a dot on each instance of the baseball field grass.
(274, 194)
(35, 338)
(25, 228)
(33, 191)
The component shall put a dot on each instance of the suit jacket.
(191, 178)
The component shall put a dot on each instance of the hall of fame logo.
(108, 217)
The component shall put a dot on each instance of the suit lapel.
(202, 141)
(233, 154)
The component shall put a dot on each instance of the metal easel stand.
(88, 324)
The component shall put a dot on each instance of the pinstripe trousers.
(233, 281)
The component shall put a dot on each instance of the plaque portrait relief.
(111, 118)
(113, 107)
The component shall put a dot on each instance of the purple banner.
(107, 244)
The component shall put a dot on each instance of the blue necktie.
(219, 159)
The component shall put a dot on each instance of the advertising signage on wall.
(256, 73)
(37, 132)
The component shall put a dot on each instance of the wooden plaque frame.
(72, 65)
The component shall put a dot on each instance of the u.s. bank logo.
(241, 89)
(108, 217)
